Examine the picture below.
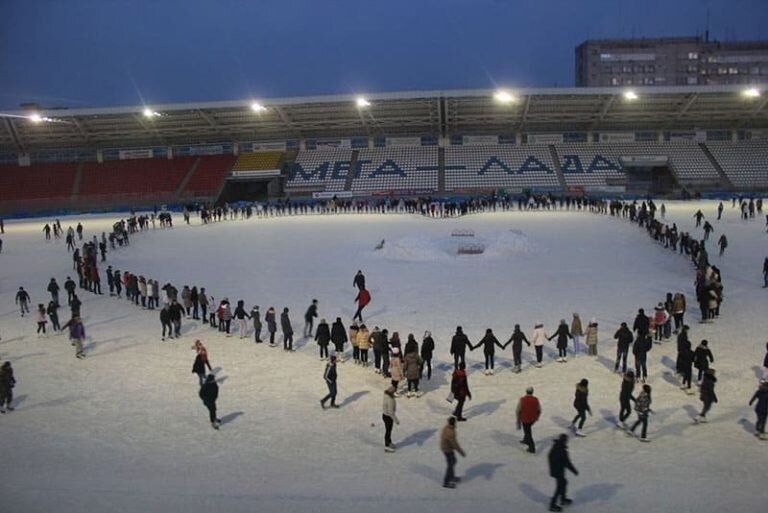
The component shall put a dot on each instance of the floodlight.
(752, 92)
(503, 97)
(148, 113)
(630, 95)
(257, 107)
(35, 118)
(362, 102)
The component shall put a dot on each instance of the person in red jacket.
(460, 390)
(528, 412)
(362, 299)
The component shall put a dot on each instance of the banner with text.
(473, 140)
(403, 141)
(145, 153)
(545, 138)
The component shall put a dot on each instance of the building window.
(693, 80)
(693, 56)
(660, 80)
(692, 68)
(615, 81)
(733, 71)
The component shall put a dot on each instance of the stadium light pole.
(630, 95)
(362, 102)
(752, 92)
(257, 107)
(35, 117)
(503, 97)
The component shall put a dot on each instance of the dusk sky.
(86, 53)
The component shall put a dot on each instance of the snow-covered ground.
(124, 430)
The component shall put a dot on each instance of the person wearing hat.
(389, 416)
(559, 461)
(449, 444)
(363, 344)
(396, 368)
(7, 382)
(643, 409)
(660, 318)
(702, 357)
(761, 408)
(623, 340)
(323, 338)
(581, 403)
(309, 317)
(591, 337)
(460, 390)
(330, 380)
(339, 338)
(285, 324)
(459, 344)
(707, 394)
(528, 412)
(209, 393)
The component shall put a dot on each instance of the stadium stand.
(208, 175)
(520, 167)
(36, 182)
(406, 168)
(259, 161)
(144, 177)
(589, 165)
(744, 162)
(320, 169)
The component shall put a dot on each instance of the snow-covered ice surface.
(124, 430)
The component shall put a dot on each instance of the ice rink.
(124, 429)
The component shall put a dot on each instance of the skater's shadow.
(608, 416)
(229, 417)
(691, 411)
(22, 356)
(425, 471)
(560, 421)
(484, 470)
(670, 378)
(533, 494)
(748, 426)
(215, 370)
(606, 362)
(599, 492)
(486, 408)
(755, 368)
(505, 439)
(354, 397)
(221, 379)
(669, 363)
(14, 339)
(108, 321)
(441, 407)
(417, 438)
(19, 399)
(54, 402)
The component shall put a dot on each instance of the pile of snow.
(425, 248)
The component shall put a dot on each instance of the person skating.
(201, 361)
(225, 316)
(353, 331)
(362, 299)
(765, 271)
(379, 346)
(591, 337)
(489, 341)
(69, 286)
(412, 368)
(241, 315)
(53, 288)
(643, 409)
(271, 325)
(723, 243)
(702, 357)
(576, 332)
(707, 394)
(626, 398)
(53, 315)
(396, 369)
(205, 303)
(389, 416)
(359, 280)
(641, 324)
(427, 350)
(516, 339)
(660, 317)
(41, 320)
(363, 344)
(309, 317)
(460, 390)
(581, 403)
(684, 360)
(538, 338)
(449, 445)
(285, 325)
(640, 350)
(76, 335)
(459, 345)
(765, 362)
(527, 413)
(194, 296)
(176, 313)
(330, 380)
(323, 338)
(562, 335)
(339, 338)
(623, 340)
(559, 462)
(256, 318)
(75, 305)
(209, 393)
(678, 310)
(7, 382)
(761, 408)
(165, 321)
(22, 299)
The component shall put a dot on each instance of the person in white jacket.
(538, 338)
(389, 417)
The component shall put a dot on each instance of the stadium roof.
(422, 113)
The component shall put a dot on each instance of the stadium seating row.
(744, 163)
(259, 161)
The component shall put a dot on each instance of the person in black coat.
(641, 324)
(285, 325)
(559, 461)
(623, 340)
(626, 397)
(75, 305)
(309, 318)
(489, 341)
(707, 394)
(702, 357)
(562, 334)
(209, 393)
(459, 345)
(359, 280)
(339, 338)
(176, 312)
(165, 320)
(684, 360)
(581, 403)
(323, 338)
(194, 296)
(682, 343)
(330, 380)
(427, 349)
(69, 286)
(53, 288)
(640, 349)
(7, 382)
(110, 281)
(516, 339)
